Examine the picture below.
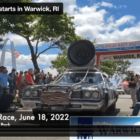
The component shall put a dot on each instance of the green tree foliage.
(56, 30)
(117, 68)
(61, 63)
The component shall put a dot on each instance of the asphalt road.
(122, 109)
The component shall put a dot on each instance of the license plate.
(29, 105)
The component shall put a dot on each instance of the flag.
(1, 46)
(16, 53)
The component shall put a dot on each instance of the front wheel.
(103, 109)
(113, 107)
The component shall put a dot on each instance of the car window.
(91, 78)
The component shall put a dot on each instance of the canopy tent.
(124, 83)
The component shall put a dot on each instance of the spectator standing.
(40, 81)
(55, 77)
(4, 77)
(44, 79)
(37, 77)
(19, 82)
(49, 79)
(23, 79)
(28, 77)
(6, 99)
(137, 79)
(133, 88)
(12, 83)
(42, 72)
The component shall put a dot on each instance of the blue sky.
(103, 20)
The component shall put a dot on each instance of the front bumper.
(31, 102)
(73, 106)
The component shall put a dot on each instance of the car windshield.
(91, 78)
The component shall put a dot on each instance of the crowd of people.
(18, 81)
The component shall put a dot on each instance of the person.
(33, 74)
(1, 68)
(23, 80)
(40, 81)
(37, 76)
(17, 73)
(49, 79)
(133, 89)
(42, 72)
(138, 87)
(4, 77)
(44, 79)
(12, 83)
(136, 109)
(28, 77)
(19, 82)
(6, 100)
(55, 77)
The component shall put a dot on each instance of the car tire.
(104, 107)
(113, 107)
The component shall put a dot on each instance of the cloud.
(18, 40)
(101, 123)
(25, 60)
(52, 71)
(138, 123)
(106, 4)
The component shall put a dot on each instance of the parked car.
(120, 90)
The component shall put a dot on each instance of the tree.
(56, 30)
(61, 62)
(117, 68)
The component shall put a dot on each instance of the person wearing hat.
(12, 83)
(133, 87)
(4, 77)
(6, 100)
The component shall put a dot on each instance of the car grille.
(76, 95)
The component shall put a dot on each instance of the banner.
(122, 46)
(117, 57)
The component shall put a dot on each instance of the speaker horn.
(81, 52)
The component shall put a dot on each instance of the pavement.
(122, 109)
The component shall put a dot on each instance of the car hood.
(69, 86)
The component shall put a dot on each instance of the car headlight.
(87, 94)
(95, 95)
(35, 93)
(28, 93)
(77, 87)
